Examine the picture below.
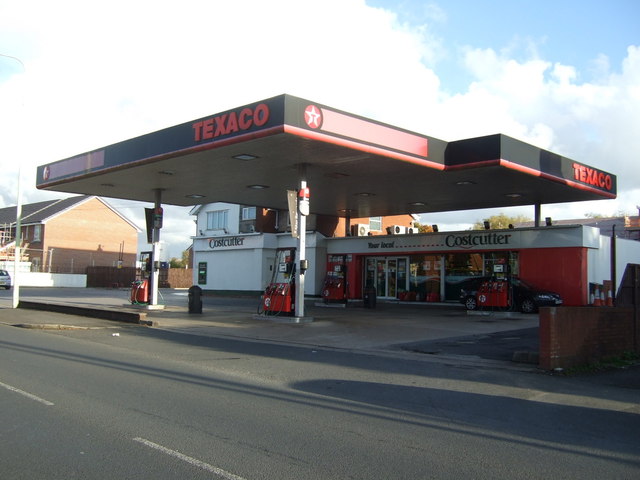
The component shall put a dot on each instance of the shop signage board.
(472, 240)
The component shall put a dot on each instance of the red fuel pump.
(335, 288)
(493, 294)
(279, 296)
(140, 292)
(140, 288)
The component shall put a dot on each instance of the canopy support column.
(302, 264)
(154, 279)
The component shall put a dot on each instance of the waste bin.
(195, 299)
(369, 297)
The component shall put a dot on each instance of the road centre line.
(190, 460)
(26, 394)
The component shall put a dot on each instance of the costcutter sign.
(226, 242)
(475, 240)
(464, 241)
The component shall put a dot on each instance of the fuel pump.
(496, 292)
(279, 295)
(335, 288)
(140, 287)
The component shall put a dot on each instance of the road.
(134, 402)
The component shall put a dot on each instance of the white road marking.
(185, 458)
(26, 394)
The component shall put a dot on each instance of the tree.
(422, 228)
(598, 216)
(501, 221)
(180, 263)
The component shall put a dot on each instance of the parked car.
(5, 279)
(526, 297)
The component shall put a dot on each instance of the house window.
(248, 213)
(375, 223)
(37, 232)
(217, 220)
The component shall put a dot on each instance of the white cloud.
(101, 72)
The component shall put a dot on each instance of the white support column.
(155, 253)
(303, 211)
(301, 249)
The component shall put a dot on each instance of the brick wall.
(90, 234)
(339, 225)
(574, 336)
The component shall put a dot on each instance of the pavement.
(435, 332)
(441, 333)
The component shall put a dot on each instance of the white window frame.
(37, 233)
(248, 213)
(375, 224)
(218, 220)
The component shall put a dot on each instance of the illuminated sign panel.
(593, 177)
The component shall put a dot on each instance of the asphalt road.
(148, 403)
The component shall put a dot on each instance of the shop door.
(388, 275)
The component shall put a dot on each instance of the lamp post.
(17, 254)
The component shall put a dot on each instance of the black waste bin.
(195, 299)
(369, 298)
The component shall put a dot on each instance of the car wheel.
(471, 303)
(527, 306)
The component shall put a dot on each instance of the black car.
(527, 298)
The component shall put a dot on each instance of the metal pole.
(635, 283)
(17, 254)
(613, 264)
(537, 214)
(155, 255)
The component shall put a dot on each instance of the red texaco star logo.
(313, 116)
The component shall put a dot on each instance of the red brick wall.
(574, 336)
(404, 220)
(88, 234)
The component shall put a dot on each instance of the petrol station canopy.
(354, 166)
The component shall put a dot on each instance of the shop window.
(217, 220)
(502, 264)
(375, 224)
(459, 267)
(425, 277)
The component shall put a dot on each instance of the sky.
(563, 75)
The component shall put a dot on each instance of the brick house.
(68, 235)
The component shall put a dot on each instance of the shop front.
(432, 277)
(430, 267)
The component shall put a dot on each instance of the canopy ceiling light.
(245, 157)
